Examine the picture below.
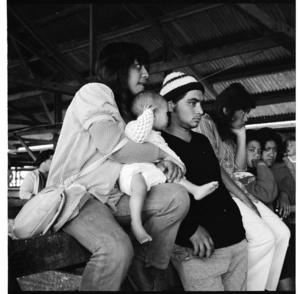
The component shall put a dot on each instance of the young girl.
(137, 178)
(290, 155)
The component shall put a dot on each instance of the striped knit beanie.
(177, 83)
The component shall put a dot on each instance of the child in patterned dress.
(290, 155)
(151, 110)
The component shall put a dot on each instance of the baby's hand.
(151, 107)
(180, 164)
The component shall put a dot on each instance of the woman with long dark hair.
(95, 207)
(267, 236)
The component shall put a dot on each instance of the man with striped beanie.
(210, 251)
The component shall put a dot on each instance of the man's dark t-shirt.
(217, 212)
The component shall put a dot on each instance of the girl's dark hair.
(268, 134)
(43, 156)
(234, 97)
(252, 135)
(112, 69)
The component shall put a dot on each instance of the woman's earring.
(170, 106)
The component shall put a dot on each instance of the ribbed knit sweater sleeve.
(265, 186)
(106, 135)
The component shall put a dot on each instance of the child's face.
(269, 153)
(291, 148)
(161, 116)
(253, 152)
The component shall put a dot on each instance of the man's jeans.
(98, 230)
(226, 270)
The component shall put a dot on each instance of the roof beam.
(214, 54)
(26, 147)
(266, 20)
(20, 122)
(31, 131)
(29, 47)
(24, 63)
(23, 113)
(151, 21)
(131, 29)
(281, 31)
(251, 71)
(74, 9)
(50, 117)
(39, 36)
(49, 86)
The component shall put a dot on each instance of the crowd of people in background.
(196, 189)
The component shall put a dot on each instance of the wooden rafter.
(50, 86)
(252, 71)
(21, 122)
(176, 50)
(24, 63)
(50, 117)
(23, 113)
(26, 147)
(32, 131)
(33, 50)
(214, 54)
(46, 43)
(281, 32)
(74, 9)
(131, 29)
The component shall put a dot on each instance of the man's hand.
(283, 205)
(202, 243)
(180, 164)
(171, 170)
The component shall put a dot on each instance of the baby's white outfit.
(140, 131)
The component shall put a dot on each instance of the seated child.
(259, 179)
(137, 178)
(290, 155)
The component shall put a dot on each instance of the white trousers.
(268, 239)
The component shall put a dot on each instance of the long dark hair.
(234, 97)
(112, 68)
(268, 134)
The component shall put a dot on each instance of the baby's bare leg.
(199, 192)
(138, 194)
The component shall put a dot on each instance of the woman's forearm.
(107, 135)
(240, 155)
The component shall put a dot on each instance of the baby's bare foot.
(140, 233)
(205, 190)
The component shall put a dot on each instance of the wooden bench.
(58, 251)
(42, 253)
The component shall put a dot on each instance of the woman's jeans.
(99, 230)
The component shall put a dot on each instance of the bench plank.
(43, 253)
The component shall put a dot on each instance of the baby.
(290, 155)
(137, 178)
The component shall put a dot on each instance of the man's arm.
(234, 189)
